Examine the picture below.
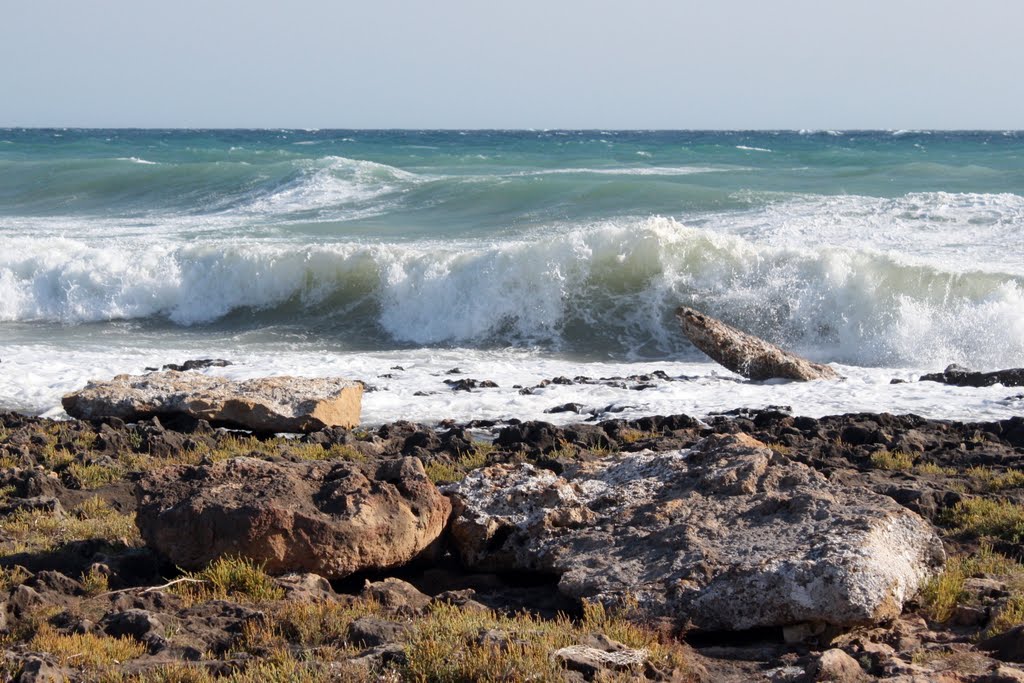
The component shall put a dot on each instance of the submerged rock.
(746, 354)
(268, 404)
(728, 535)
(332, 519)
(962, 377)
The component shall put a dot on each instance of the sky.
(715, 64)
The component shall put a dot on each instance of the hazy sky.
(524, 64)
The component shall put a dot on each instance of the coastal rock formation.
(962, 377)
(268, 404)
(329, 518)
(746, 354)
(728, 535)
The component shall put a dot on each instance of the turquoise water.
(875, 249)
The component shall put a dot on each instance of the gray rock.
(329, 518)
(962, 377)
(135, 623)
(728, 535)
(746, 354)
(835, 665)
(373, 632)
(269, 404)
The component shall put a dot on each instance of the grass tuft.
(85, 650)
(230, 578)
(986, 517)
(41, 531)
(892, 460)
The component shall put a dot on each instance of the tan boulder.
(746, 354)
(328, 518)
(267, 404)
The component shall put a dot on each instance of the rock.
(1008, 646)
(962, 377)
(134, 623)
(601, 654)
(329, 518)
(269, 404)
(198, 364)
(726, 536)
(746, 354)
(306, 588)
(39, 670)
(836, 665)
(373, 632)
(397, 595)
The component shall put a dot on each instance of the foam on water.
(605, 288)
(417, 392)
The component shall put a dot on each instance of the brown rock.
(269, 404)
(331, 519)
(746, 354)
(836, 665)
(1008, 646)
(397, 595)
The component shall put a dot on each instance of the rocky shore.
(753, 545)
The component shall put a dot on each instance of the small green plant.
(85, 650)
(13, 576)
(980, 517)
(41, 531)
(443, 472)
(91, 476)
(945, 591)
(892, 460)
(932, 468)
(95, 582)
(990, 480)
(779, 447)
(229, 578)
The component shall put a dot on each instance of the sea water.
(395, 257)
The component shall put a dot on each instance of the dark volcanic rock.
(962, 377)
(331, 519)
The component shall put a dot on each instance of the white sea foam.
(417, 392)
(611, 285)
(752, 149)
(137, 160)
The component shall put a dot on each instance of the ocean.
(398, 257)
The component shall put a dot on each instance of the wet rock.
(746, 354)
(269, 404)
(329, 518)
(470, 384)
(727, 536)
(962, 377)
(198, 364)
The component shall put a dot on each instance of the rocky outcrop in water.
(268, 404)
(745, 354)
(962, 377)
(728, 535)
(332, 519)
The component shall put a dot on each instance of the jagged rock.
(962, 377)
(1008, 646)
(728, 535)
(373, 632)
(746, 354)
(329, 518)
(268, 404)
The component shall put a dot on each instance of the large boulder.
(728, 535)
(332, 519)
(746, 354)
(268, 404)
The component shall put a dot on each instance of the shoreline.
(92, 568)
